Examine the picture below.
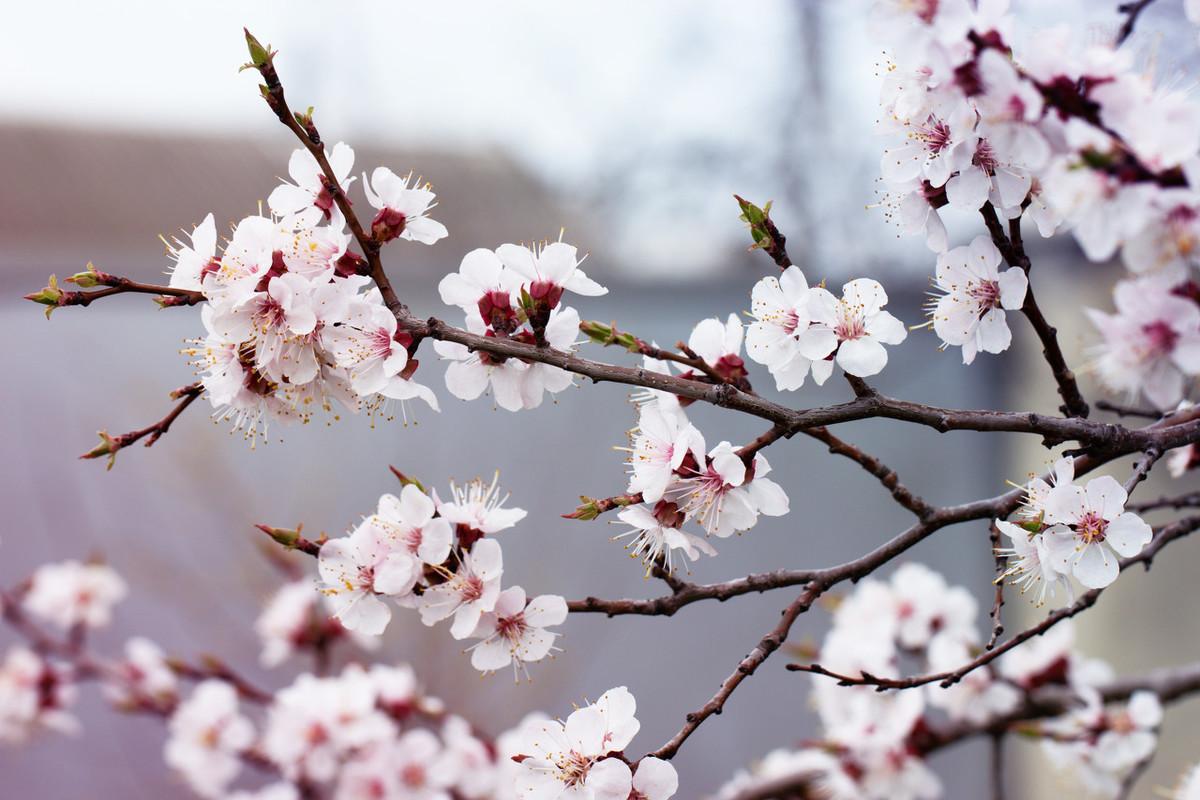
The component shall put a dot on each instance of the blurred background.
(628, 124)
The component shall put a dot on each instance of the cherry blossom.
(1188, 787)
(295, 617)
(656, 535)
(485, 286)
(1151, 344)
(720, 345)
(781, 337)
(935, 148)
(355, 568)
(1159, 124)
(413, 767)
(970, 313)
(667, 402)
(476, 507)
(314, 724)
(978, 697)
(34, 694)
(144, 675)
(926, 607)
(829, 777)
(515, 631)
(1169, 245)
(860, 324)
(655, 779)
(661, 442)
(470, 374)
(309, 196)
(1099, 208)
(366, 343)
(515, 384)
(207, 737)
(410, 522)
(192, 264)
(472, 761)
(467, 594)
(1090, 529)
(72, 593)
(550, 270)
(1030, 565)
(559, 757)
(403, 208)
(726, 496)
(1099, 746)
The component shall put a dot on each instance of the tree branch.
(746, 667)
(1164, 536)
(1131, 11)
(111, 445)
(1109, 437)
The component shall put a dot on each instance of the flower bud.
(762, 230)
(260, 56)
(288, 537)
(387, 225)
(109, 446)
(90, 278)
(50, 296)
(405, 480)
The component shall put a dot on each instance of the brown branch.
(1181, 501)
(292, 540)
(212, 667)
(1109, 437)
(1132, 11)
(1012, 248)
(948, 678)
(746, 667)
(997, 759)
(886, 475)
(592, 507)
(998, 597)
(54, 297)
(1169, 684)
(111, 445)
(608, 335)
(306, 132)
(1129, 411)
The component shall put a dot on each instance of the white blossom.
(1089, 530)
(72, 593)
(860, 324)
(970, 312)
(207, 737)
(514, 631)
(467, 594)
(403, 206)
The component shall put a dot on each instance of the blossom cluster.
(1071, 135)
(582, 757)
(363, 733)
(291, 324)
(514, 292)
(798, 329)
(441, 558)
(872, 745)
(1064, 529)
(360, 733)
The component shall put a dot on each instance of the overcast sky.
(586, 95)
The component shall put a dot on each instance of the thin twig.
(998, 597)
(111, 445)
(1132, 11)
(948, 678)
